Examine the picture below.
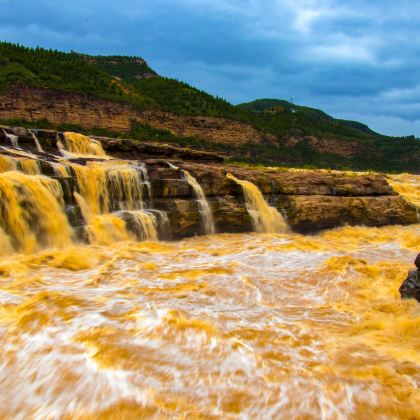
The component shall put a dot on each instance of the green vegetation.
(131, 80)
(279, 106)
(64, 71)
(122, 67)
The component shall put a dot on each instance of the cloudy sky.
(355, 59)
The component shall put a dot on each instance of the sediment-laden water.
(221, 326)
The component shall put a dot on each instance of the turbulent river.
(219, 326)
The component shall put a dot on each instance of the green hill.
(291, 129)
(278, 106)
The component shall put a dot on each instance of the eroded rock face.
(131, 149)
(311, 213)
(410, 288)
(59, 107)
(309, 200)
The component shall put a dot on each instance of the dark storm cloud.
(354, 59)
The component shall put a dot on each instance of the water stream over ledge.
(265, 219)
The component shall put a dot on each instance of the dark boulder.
(410, 287)
(417, 261)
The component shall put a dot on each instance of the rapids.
(222, 326)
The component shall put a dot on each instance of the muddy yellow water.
(222, 326)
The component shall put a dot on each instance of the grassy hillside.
(131, 80)
(65, 71)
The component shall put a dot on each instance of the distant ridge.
(278, 105)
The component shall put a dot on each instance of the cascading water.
(76, 144)
(146, 182)
(144, 223)
(203, 205)
(407, 186)
(37, 143)
(30, 214)
(30, 166)
(14, 140)
(265, 219)
(61, 170)
(110, 194)
(7, 163)
(101, 229)
(111, 187)
(27, 166)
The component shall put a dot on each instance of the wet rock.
(230, 214)
(410, 288)
(75, 217)
(160, 170)
(171, 188)
(312, 213)
(134, 149)
(46, 168)
(47, 139)
(183, 214)
(19, 131)
(68, 185)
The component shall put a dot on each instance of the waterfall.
(7, 163)
(30, 166)
(60, 170)
(203, 205)
(146, 181)
(143, 223)
(5, 243)
(265, 219)
(101, 229)
(27, 166)
(31, 216)
(14, 140)
(113, 197)
(37, 143)
(106, 187)
(77, 144)
(163, 223)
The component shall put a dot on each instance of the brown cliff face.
(218, 130)
(58, 107)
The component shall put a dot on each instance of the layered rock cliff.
(60, 107)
